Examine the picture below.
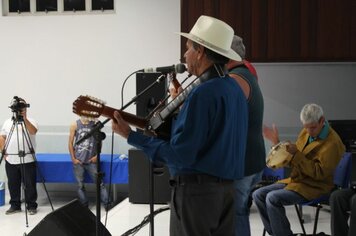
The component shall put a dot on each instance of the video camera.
(18, 104)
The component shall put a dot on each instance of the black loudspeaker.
(139, 165)
(151, 98)
(154, 95)
(72, 219)
(139, 168)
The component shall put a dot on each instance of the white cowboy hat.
(213, 34)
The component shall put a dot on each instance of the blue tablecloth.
(58, 168)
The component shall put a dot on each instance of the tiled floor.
(125, 216)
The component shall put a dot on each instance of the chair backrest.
(342, 173)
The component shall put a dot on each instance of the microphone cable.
(123, 85)
(110, 203)
(144, 222)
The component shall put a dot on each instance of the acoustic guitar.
(94, 108)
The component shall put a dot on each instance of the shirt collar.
(323, 133)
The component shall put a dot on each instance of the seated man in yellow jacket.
(315, 155)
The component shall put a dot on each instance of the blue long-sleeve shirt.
(209, 134)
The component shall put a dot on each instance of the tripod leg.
(20, 170)
(4, 149)
(27, 138)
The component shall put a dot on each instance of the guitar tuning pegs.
(96, 99)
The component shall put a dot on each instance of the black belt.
(198, 179)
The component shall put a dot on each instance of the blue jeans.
(243, 188)
(270, 201)
(79, 171)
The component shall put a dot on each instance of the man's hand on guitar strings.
(120, 126)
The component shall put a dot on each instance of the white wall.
(288, 86)
(51, 60)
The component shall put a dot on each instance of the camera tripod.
(25, 153)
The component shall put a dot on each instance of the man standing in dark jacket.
(206, 151)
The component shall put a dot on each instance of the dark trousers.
(341, 202)
(16, 174)
(202, 209)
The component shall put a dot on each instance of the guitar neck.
(156, 120)
(134, 120)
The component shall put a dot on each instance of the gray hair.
(238, 46)
(311, 113)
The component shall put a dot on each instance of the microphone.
(179, 68)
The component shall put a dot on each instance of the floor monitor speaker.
(73, 219)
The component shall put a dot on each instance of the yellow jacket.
(313, 165)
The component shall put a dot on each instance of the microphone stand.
(151, 167)
(99, 137)
(134, 99)
(151, 198)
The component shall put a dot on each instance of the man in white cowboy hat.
(206, 150)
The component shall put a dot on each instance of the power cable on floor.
(144, 222)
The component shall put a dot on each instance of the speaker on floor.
(139, 167)
(73, 219)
